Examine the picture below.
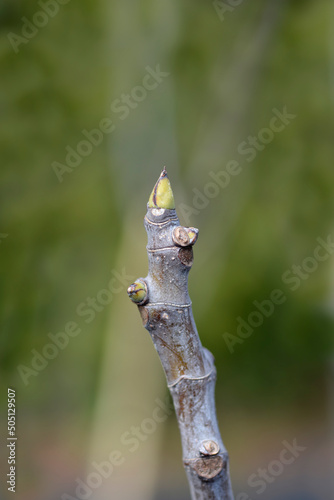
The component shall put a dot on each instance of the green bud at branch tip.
(162, 194)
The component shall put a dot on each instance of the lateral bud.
(138, 292)
(185, 236)
(209, 448)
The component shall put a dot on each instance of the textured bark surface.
(165, 308)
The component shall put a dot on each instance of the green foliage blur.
(63, 238)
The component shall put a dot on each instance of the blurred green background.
(227, 66)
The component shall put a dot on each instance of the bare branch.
(165, 308)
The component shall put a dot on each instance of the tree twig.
(165, 308)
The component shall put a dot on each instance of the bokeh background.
(229, 65)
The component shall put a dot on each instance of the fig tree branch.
(165, 308)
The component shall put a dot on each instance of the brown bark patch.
(186, 256)
(207, 468)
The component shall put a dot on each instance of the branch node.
(185, 377)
